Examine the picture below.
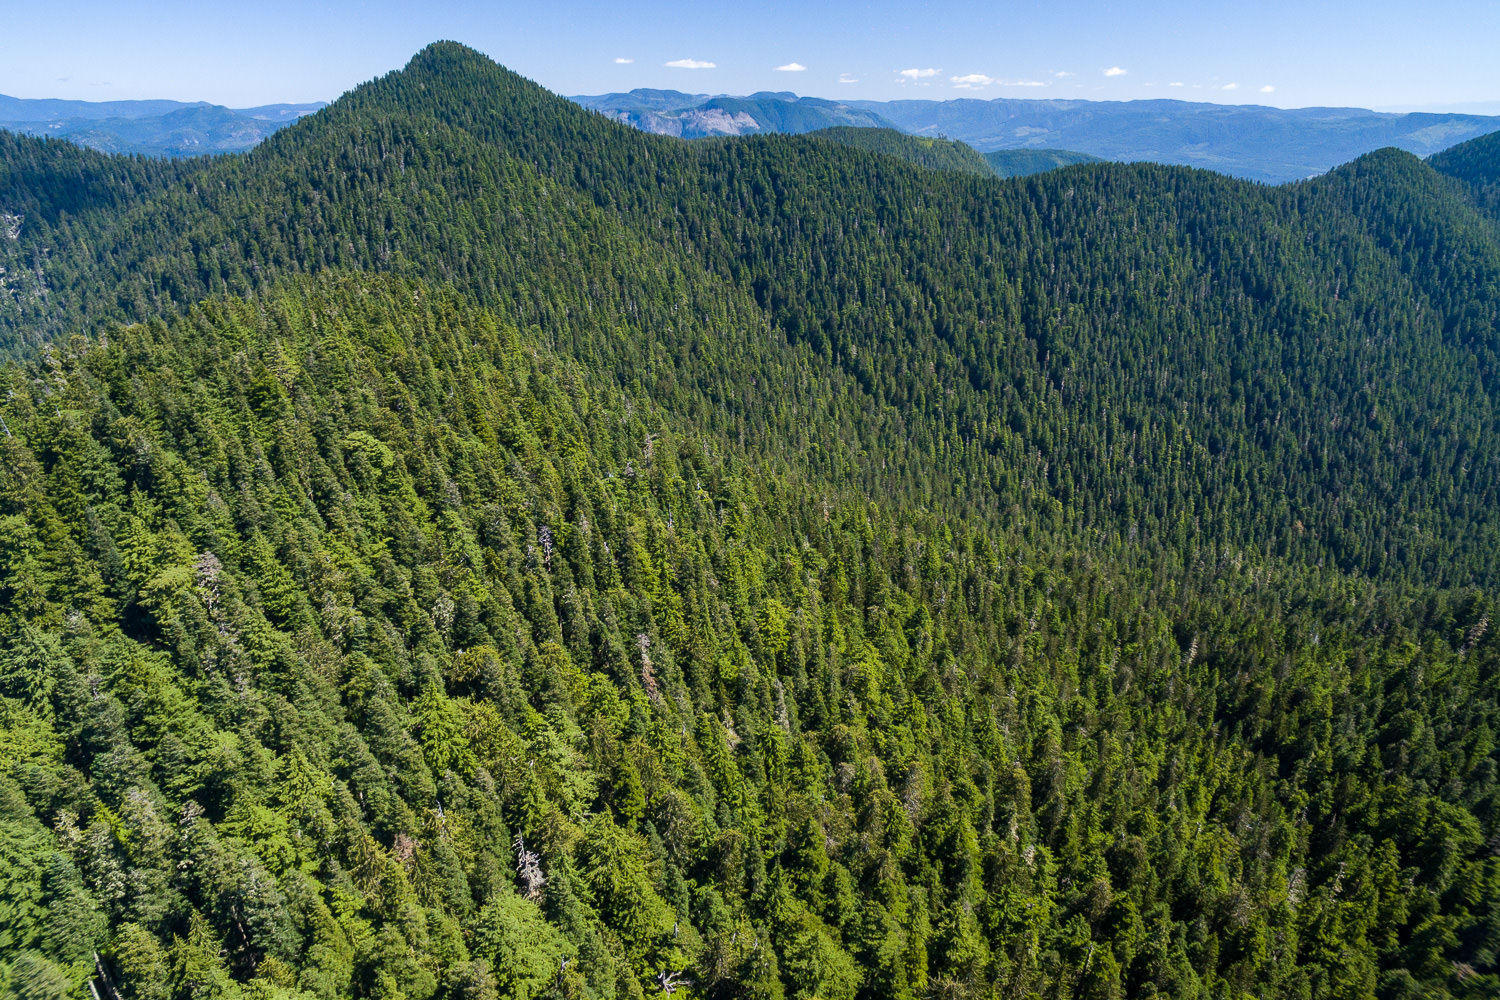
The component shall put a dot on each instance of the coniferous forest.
(467, 549)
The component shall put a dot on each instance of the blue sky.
(1375, 54)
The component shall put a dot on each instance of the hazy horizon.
(1486, 108)
(1281, 55)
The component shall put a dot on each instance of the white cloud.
(980, 80)
(848, 78)
(1268, 89)
(971, 81)
(791, 67)
(622, 61)
(1062, 74)
(1231, 86)
(918, 74)
(691, 64)
(1115, 71)
(1175, 83)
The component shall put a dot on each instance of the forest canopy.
(466, 548)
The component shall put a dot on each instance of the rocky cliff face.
(690, 123)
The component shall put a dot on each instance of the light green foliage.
(527, 955)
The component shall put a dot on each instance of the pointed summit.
(445, 54)
(455, 65)
(465, 89)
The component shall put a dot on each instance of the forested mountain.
(1024, 162)
(468, 548)
(157, 128)
(948, 154)
(935, 154)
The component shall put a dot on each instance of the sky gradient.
(1437, 56)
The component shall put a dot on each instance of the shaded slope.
(1476, 165)
(52, 184)
(1024, 162)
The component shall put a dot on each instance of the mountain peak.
(459, 87)
(445, 55)
(455, 66)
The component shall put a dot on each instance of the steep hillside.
(1475, 164)
(466, 548)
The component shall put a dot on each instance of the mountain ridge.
(1283, 147)
(158, 128)
(1255, 142)
(538, 130)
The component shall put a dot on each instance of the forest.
(465, 548)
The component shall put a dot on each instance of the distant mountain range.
(1253, 142)
(696, 116)
(1266, 144)
(157, 128)
(1257, 143)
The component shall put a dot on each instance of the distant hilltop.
(155, 128)
(1267, 144)
(1271, 145)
